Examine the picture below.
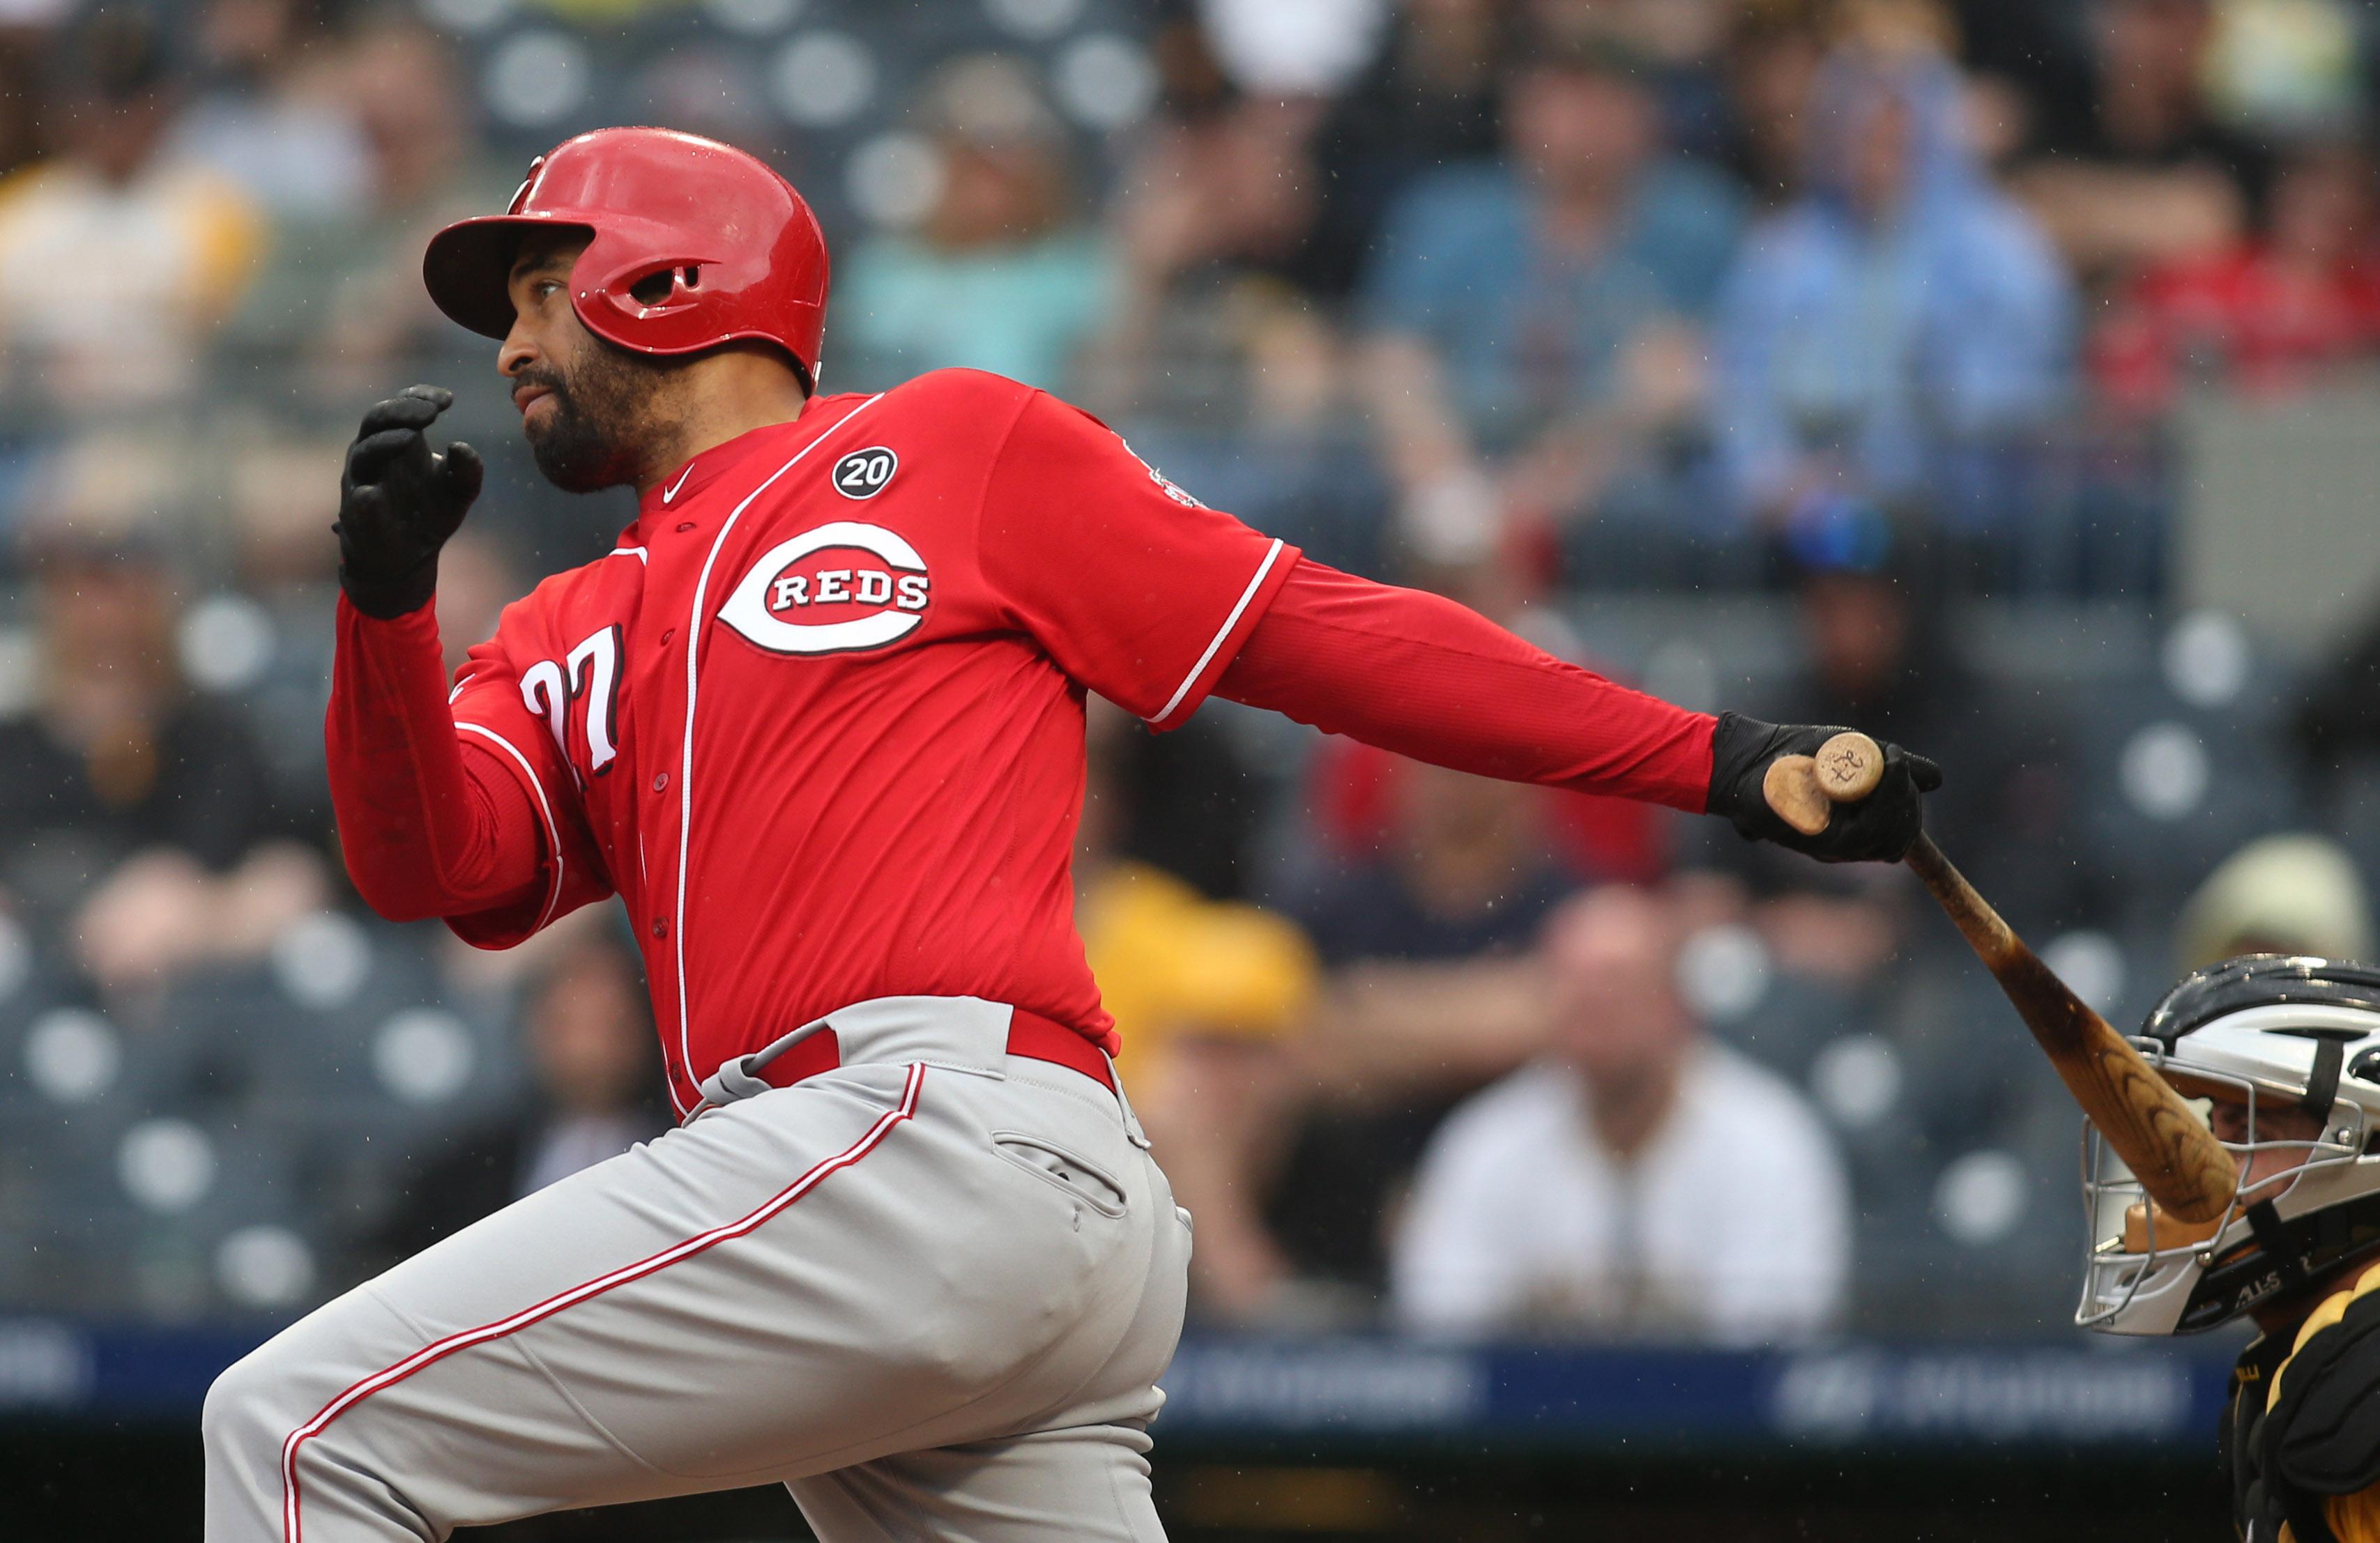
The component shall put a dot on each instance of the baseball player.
(2286, 1048)
(816, 720)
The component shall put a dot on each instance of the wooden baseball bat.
(2180, 1164)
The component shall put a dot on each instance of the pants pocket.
(1068, 1170)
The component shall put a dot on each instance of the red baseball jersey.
(817, 718)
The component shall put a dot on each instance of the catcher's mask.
(2283, 1054)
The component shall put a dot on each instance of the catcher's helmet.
(693, 243)
(2293, 1043)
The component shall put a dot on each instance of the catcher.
(2286, 1048)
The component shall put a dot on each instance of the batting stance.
(2286, 1052)
(816, 720)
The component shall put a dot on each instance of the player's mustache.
(548, 379)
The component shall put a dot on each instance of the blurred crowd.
(1819, 358)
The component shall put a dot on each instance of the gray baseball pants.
(931, 1291)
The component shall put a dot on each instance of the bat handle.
(1994, 941)
(2178, 1160)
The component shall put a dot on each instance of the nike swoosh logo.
(679, 483)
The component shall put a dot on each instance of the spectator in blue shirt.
(1001, 276)
(1901, 308)
(1532, 317)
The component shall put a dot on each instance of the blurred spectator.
(1679, 42)
(141, 830)
(270, 112)
(1212, 998)
(1432, 98)
(1529, 317)
(2266, 314)
(1872, 607)
(2336, 724)
(275, 481)
(2277, 895)
(1184, 800)
(2137, 168)
(1208, 321)
(477, 579)
(1355, 792)
(1772, 63)
(1464, 874)
(24, 39)
(1899, 308)
(114, 263)
(720, 91)
(599, 1093)
(348, 293)
(1639, 1181)
(1002, 276)
(1467, 867)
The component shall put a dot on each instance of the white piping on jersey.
(1271, 555)
(637, 553)
(544, 811)
(686, 757)
(679, 483)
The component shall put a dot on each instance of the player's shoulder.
(2322, 1427)
(988, 406)
(960, 391)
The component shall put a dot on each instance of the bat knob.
(1803, 789)
(1849, 766)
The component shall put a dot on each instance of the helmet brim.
(467, 268)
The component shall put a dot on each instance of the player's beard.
(604, 422)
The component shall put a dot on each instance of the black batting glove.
(1878, 828)
(398, 502)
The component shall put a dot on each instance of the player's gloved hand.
(398, 502)
(1878, 828)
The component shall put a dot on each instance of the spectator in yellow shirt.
(115, 266)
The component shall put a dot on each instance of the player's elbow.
(398, 904)
(397, 895)
(389, 873)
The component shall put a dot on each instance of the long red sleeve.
(1422, 676)
(431, 825)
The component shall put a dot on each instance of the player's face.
(2276, 1123)
(586, 405)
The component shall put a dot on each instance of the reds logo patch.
(842, 588)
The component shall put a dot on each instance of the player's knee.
(244, 1418)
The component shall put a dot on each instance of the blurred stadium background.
(1998, 375)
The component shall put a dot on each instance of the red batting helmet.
(693, 243)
